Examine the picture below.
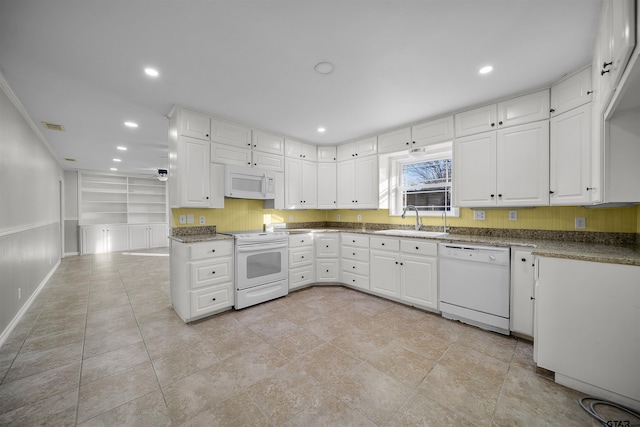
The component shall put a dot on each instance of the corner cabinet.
(358, 183)
(201, 278)
(301, 186)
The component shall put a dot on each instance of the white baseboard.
(5, 334)
(66, 254)
(596, 391)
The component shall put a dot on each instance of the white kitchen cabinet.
(194, 125)
(267, 161)
(385, 265)
(511, 112)
(300, 150)
(361, 148)
(146, 236)
(622, 154)
(358, 183)
(432, 132)
(230, 155)
(509, 167)
(228, 133)
(327, 251)
(327, 153)
(522, 291)
(571, 92)
(201, 278)
(586, 327)
(327, 186)
(189, 188)
(301, 260)
(301, 187)
(267, 142)
(570, 157)
(355, 260)
(396, 140)
(99, 239)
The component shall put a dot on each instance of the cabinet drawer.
(211, 272)
(301, 277)
(357, 254)
(361, 282)
(327, 270)
(300, 256)
(355, 240)
(327, 245)
(357, 267)
(298, 240)
(384, 243)
(210, 300)
(419, 246)
(206, 250)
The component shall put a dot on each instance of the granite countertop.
(195, 238)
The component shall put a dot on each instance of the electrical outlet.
(290, 218)
(337, 217)
(201, 219)
(581, 223)
(183, 219)
(189, 218)
(479, 216)
(359, 217)
(513, 215)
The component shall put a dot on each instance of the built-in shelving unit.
(117, 199)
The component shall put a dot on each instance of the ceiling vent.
(53, 126)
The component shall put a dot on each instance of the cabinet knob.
(493, 195)
(591, 188)
(401, 264)
(531, 298)
(213, 272)
(396, 262)
(327, 245)
(213, 299)
(413, 142)
(327, 271)
(551, 192)
(213, 250)
(302, 277)
(302, 257)
(499, 195)
(417, 248)
(249, 163)
(407, 143)
(589, 92)
(606, 64)
(524, 260)
(493, 124)
(207, 135)
(382, 244)
(602, 73)
(207, 197)
(354, 265)
(553, 110)
(500, 123)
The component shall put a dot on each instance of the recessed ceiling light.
(485, 69)
(321, 129)
(117, 160)
(122, 148)
(323, 67)
(151, 72)
(113, 169)
(131, 124)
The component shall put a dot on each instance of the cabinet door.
(366, 192)
(524, 109)
(327, 270)
(474, 159)
(346, 188)
(194, 173)
(268, 161)
(93, 240)
(570, 157)
(395, 141)
(327, 197)
(346, 151)
(230, 155)
(366, 147)
(327, 154)
(432, 132)
(623, 36)
(117, 238)
(309, 152)
(327, 245)
(194, 125)
(230, 133)
(384, 273)
(522, 288)
(293, 184)
(309, 184)
(268, 143)
(292, 148)
(158, 236)
(138, 237)
(571, 92)
(475, 121)
(419, 281)
(522, 155)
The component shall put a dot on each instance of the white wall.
(30, 187)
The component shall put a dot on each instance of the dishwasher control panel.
(485, 254)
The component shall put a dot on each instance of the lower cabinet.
(301, 260)
(355, 261)
(327, 247)
(406, 270)
(148, 236)
(201, 278)
(98, 239)
(522, 291)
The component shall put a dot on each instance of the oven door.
(261, 263)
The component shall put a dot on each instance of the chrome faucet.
(445, 229)
(418, 219)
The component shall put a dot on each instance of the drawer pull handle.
(213, 299)
(354, 254)
(327, 271)
(353, 266)
(213, 250)
(303, 277)
(353, 280)
(302, 257)
(327, 245)
(383, 244)
(213, 272)
(417, 248)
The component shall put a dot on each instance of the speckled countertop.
(206, 233)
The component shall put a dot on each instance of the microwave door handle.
(264, 185)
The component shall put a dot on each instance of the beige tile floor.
(101, 346)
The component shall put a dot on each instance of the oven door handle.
(261, 247)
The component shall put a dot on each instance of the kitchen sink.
(412, 233)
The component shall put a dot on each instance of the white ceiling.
(80, 63)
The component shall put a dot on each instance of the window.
(423, 180)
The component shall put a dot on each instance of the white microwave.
(244, 182)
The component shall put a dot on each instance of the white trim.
(14, 322)
(4, 85)
(26, 227)
(66, 254)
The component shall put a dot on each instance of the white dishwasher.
(475, 285)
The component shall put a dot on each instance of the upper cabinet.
(327, 153)
(420, 135)
(523, 109)
(361, 148)
(571, 92)
(194, 125)
(230, 133)
(268, 143)
(300, 150)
